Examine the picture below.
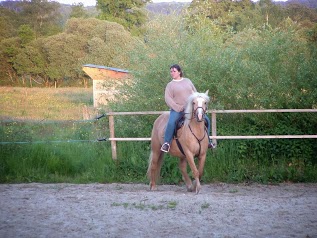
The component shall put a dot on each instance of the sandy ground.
(131, 210)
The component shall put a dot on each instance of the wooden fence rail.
(213, 136)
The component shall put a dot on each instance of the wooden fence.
(213, 136)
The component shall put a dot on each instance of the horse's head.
(197, 106)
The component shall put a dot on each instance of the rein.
(198, 140)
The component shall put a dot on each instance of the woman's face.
(175, 74)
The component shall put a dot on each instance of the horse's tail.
(154, 169)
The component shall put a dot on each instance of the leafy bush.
(254, 69)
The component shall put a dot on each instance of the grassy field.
(44, 103)
(35, 118)
(48, 141)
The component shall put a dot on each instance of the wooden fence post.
(113, 142)
(213, 127)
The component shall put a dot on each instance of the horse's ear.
(207, 92)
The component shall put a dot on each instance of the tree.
(300, 13)
(224, 13)
(78, 11)
(59, 58)
(271, 13)
(245, 13)
(312, 34)
(8, 23)
(128, 13)
(26, 34)
(43, 16)
(30, 62)
(9, 48)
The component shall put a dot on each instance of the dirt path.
(130, 210)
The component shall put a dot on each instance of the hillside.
(307, 3)
(165, 8)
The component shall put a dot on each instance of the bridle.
(195, 115)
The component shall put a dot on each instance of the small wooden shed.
(105, 80)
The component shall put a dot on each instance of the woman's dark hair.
(176, 66)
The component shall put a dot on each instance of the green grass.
(78, 163)
(67, 151)
(91, 161)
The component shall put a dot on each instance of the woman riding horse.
(191, 141)
(176, 93)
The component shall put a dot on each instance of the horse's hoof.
(153, 188)
(197, 190)
(190, 188)
(196, 186)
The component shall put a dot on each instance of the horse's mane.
(189, 104)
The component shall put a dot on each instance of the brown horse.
(192, 137)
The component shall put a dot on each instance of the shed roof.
(104, 67)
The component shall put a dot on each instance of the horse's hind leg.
(186, 178)
(154, 169)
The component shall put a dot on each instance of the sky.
(93, 2)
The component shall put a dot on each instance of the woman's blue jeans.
(171, 125)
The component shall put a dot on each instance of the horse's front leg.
(201, 165)
(186, 178)
(196, 186)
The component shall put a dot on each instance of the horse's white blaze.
(200, 111)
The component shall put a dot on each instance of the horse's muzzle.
(200, 114)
